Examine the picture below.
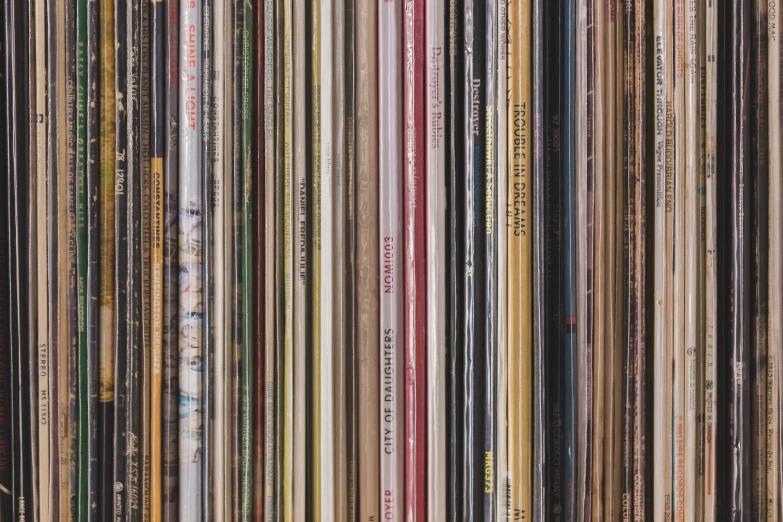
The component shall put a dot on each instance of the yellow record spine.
(519, 243)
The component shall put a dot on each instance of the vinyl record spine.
(600, 260)
(40, 207)
(760, 246)
(475, 383)
(339, 281)
(121, 204)
(70, 130)
(6, 314)
(490, 241)
(301, 269)
(414, 255)
(107, 146)
(711, 273)
(740, 327)
(693, 271)
(287, 507)
(87, 206)
(157, 274)
(501, 225)
(170, 339)
(553, 220)
(244, 177)
(191, 291)
(613, 384)
(629, 243)
(454, 296)
(640, 303)
(368, 262)
(134, 442)
(328, 288)
(145, 168)
(662, 432)
(434, 189)
(16, 69)
(221, 413)
(349, 189)
(392, 338)
(270, 225)
(6, 370)
(538, 309)
(206, 179)
(568, 136)
(772, 497)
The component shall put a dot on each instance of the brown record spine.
(368, 265)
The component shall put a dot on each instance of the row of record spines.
(132, 280)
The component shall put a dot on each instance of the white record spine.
(436, 266)
(391, 338)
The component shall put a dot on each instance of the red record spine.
(415, 264)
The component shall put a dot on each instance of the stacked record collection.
(391, 260)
